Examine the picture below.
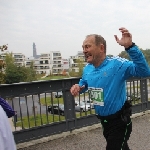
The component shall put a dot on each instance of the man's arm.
(79, 88)
(138, 67)
(83, 83)
(83, 86)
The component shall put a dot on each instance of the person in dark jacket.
(7, 108)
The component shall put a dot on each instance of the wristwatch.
(133, 44)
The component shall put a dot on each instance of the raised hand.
(126, 39)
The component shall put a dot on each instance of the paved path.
(94, 140)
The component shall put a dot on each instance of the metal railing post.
(144, 93)
(69, 106)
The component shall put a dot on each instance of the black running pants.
(117, 133)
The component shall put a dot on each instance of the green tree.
(31, 76)
(124, 54)
(2, 65)
(146, 54)
(2, 77)
(80, 66)
(15, 74)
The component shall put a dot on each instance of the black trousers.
(117, 132)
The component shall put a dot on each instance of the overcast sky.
(61, 25)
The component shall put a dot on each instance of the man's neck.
(98, 63)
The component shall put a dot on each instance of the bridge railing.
(46, 108)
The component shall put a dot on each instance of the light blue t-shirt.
(111, 76)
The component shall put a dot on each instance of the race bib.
(97, 96)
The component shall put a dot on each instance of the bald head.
(98, 40)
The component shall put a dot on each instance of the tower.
(34, 50)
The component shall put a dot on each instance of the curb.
(66, 134)
(140, 114)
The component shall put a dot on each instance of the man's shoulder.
(88, 67)
(117, 59)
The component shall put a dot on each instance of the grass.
(49, 100)
(43, 119)
(78, 114)
(38, 120)
(134, 102)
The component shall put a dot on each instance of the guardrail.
(45, 108)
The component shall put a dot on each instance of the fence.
(46, 108)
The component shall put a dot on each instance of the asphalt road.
(27, 108)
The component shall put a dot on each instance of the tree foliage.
(4, 47)
(32, 76)
(2, 65)
(124, 54)
(80, 66)
(2, 78)
(147, 55)
(15, 74)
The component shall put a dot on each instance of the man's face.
(91, 51)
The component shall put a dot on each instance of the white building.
(65, 63)
(42, 65)
(56, 61)
(19, 58)
(74, 61)
(49, 63)
(28, 61)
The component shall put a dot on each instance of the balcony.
(56, 54)
(45, 55)
(57, 62)
(18, 57)
(19, 60)
(41, 67)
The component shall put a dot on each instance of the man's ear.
(101, 46)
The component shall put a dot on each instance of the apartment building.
(75, 61)
(29, 61)
(49, 63)
(19, 58)
(56, 61)
(43, 65)
(65, 64)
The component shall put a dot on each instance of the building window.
(41, 62)
(46, 61)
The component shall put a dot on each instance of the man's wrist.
(127, 48)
